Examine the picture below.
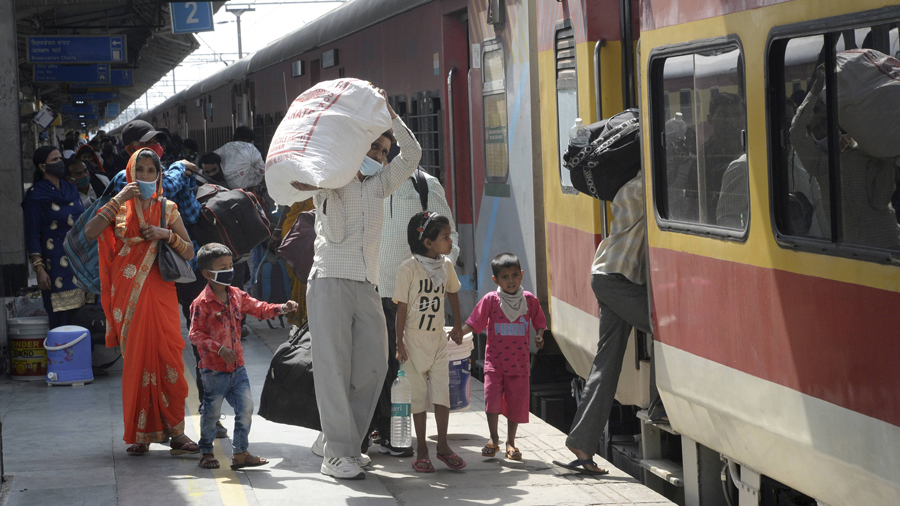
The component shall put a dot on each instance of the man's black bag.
(612, 158)
(234, 218)
(289, 392)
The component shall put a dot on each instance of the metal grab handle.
(57, 348)
(452, 144)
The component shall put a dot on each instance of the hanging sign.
(76, 49)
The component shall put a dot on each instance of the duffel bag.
(289, 391)
(82, 253)
(234, 218)
(298, 246)
(612, 158)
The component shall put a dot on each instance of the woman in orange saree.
(141, 309)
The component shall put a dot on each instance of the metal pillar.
(12, 234)
(702, 474)
(237, 13)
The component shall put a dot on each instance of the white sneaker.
(318, 448)
(343, 468)
(363, 460)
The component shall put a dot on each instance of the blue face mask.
(370, 167)
(148, 188)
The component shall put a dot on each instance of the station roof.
(152, 50)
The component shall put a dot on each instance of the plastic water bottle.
(676, 128)
(579, 135)
(401, 407)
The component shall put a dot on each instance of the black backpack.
(612, 158)
(234, 218)
(289, 391)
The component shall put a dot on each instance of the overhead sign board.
(121, 78)
(79, 109)
(95, 96)
(76, 49)
(97, 73)
(112, 109)
(86, 117)
(191, 17)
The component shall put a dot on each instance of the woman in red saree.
(141, 309)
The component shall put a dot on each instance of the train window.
(835, 139)
(566, 94)
(426, 124)
(700, 159)
(496, 143)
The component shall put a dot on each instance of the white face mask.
(370, 167)
(822, 143)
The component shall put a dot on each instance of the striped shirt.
(349, 227)
(402, 205)
(624, 251)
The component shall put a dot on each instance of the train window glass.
(834, 178)
(700, 158)
(496, 143)
(566, 94)
(425, 123)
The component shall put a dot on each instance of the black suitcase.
(289, 392)
(234, 218)
(612, 158)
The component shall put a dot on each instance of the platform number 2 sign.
(191, 17)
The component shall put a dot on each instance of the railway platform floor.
(63, 446)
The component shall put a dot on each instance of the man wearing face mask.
(867, 183)
(211, 165)
(90, 186)
(343, 303)
(113, 162)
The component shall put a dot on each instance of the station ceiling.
(153, 51)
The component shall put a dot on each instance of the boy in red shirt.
(216, 332)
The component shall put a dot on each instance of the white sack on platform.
(323, 138)
(868, 89)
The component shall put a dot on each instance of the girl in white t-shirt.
(422, 282)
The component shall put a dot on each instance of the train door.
(315, 72)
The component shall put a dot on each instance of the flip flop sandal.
(489, 450)
(513, 453)
(138, 450)
(429, 468)
(208, 461)
(186, 448)
(247, 461)
(449, 459)
(579, 465)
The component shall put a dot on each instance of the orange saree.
(143, 319)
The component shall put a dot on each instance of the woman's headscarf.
(133, 216)
(96, 159)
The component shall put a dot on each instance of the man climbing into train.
(619, 280)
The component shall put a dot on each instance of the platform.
(63, 446)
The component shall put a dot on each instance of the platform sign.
(97, 73)
(86, 117)
(79, 109)
(76, 49)
(121, 78)
(191, 17)
(112, 109)
(95, 96)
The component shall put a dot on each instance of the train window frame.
(656, 127)
(781, 35)
(489, 89)
(565, 84)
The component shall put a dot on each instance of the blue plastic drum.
(68, 356)
(460, 373)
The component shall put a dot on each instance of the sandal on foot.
(185, 448)
(208, 461)
(581, 467)
(242, 460)
(513, 453)
(428, 468)
(489, 450)
(453, 461)
(138, 449)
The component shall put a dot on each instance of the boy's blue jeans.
(233, 387)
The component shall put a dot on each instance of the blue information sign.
(76, 49)
(79, 109)
(53, 73)
(121, 78)
(190, 17)
(86, 117)
(96, 95)
(112, 109)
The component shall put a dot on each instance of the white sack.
(323, 138)
(242, 165)
(868, 89)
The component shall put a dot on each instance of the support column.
(12, 235)
(702, 474)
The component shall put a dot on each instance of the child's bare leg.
(511, 428)
(419, 420)
(442, 418)
(493, 420)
